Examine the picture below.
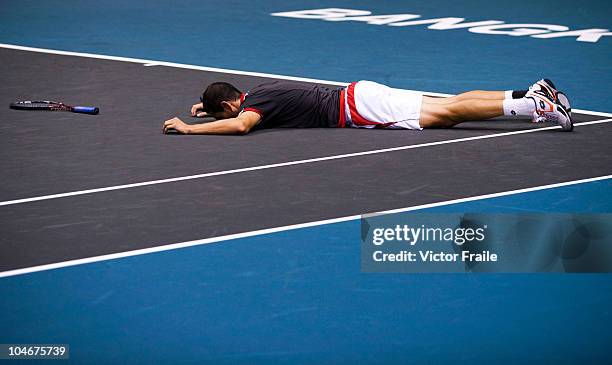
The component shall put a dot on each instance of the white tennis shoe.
(548, 87)
(551, 105)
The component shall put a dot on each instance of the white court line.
(589, 112)
(283, 164)
(179, 245)
(220, 70)
(169, 64)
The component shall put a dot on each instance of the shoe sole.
(564, 101)
(568, 126)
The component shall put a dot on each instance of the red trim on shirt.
(242, 97)
(342, 116)
(254, 110)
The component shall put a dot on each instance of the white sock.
(508, 94)
(523, 107)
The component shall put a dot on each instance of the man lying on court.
(364, 104)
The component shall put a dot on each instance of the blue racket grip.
(86, 109)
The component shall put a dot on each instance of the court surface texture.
(133, 246)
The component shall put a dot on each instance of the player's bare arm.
(242, 124)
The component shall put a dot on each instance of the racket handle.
(86, 109)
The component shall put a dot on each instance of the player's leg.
(482, 94)
(435, 114)
(536, 105)
(545, 86)
(542, 102)
(475, 94)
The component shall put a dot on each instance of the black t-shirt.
(287, 104)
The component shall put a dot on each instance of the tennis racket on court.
(53, 106)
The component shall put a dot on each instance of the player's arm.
(242, 124)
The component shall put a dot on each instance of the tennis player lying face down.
(363, 104)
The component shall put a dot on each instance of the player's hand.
(196, 110)
(176, 124)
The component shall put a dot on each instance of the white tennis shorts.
(369, 104)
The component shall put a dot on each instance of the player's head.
(221, 100)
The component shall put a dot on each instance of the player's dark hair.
(217, 92)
